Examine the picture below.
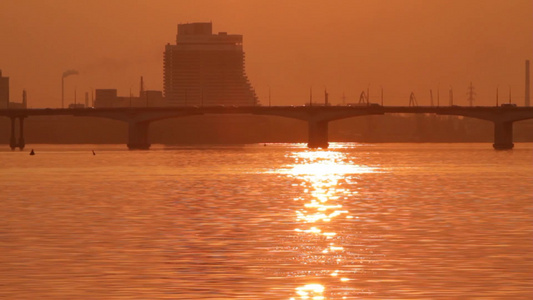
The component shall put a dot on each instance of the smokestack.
(527, 83)
(65, 74)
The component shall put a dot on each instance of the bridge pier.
(13, 140)
(318, 134)
(138, 135)
(21, 143)
(503, 135)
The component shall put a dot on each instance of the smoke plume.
(70, 72)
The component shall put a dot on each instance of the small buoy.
(264, 145)
(94, 153)
(32, 152)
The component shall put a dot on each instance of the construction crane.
(412, 100)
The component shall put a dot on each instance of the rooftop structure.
(110, 98)
(205, 69)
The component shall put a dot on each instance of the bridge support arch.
(503, 135)
(318, 134)
(138, 135)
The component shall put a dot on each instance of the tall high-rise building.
(4, 91)
(206, 69)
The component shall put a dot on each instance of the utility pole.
(497, 97)
(451, 96)
(471, 94)
(24, 99)
(310, 96)
(269, 100)
(62, 92)
(527, 100)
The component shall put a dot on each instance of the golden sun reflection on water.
(322, 173)
(310, 291)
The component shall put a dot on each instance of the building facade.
(205, 69)
(109, 98)
(4, 91)
(4, 95)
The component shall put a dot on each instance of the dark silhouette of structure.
(65, 74)
(527, 85)
(5, 104)
(206, 69)
(106, 98)
(471, 93)
(317, 117)
(4, 95)
(4, 91)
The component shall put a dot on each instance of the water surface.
(387, 221)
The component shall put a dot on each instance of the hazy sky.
(345, 46)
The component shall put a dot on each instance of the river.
(274, 221)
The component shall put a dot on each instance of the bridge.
(317, 117)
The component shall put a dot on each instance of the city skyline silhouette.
(344, 47)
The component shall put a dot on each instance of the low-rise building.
(4, 95)
(110, 98)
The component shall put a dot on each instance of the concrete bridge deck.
(317, 117)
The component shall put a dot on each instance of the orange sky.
(403, 46)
